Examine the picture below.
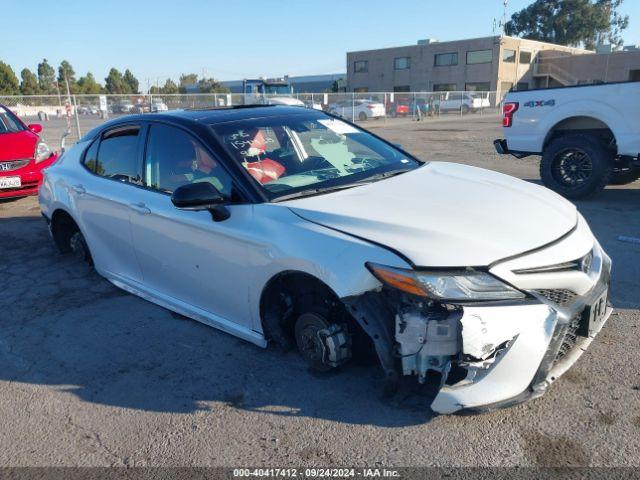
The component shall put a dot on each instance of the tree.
(169, 87)
(211, 85)
(46, 77)
(131, 82)
(66, 73)
(29, 84)
(570, 22)
(114, 83)
(88, 85)
(187, 80)
(8, 80)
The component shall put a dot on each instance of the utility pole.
(504, 17)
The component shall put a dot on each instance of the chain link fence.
(65, 119)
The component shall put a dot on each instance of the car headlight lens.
(42, 151)
(446, 286)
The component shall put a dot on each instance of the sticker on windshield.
(338, 126)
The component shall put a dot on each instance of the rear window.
(117, 155)
(9, 123)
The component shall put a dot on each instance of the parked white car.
(159, 106)
(287, 225)
(358, 109)
(588, 135)
(462, 101)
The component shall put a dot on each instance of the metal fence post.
(75, 111)
(353, 106)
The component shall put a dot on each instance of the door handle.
(79, 189)
(140, 207)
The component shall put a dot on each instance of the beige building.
(496, 63)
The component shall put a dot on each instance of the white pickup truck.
(588, 135)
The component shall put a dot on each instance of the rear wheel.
(362, 116)
(465, 109)
(80, 248)
(624, 172)
(576, 166)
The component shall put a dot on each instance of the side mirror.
(35, 127)
(201, 196)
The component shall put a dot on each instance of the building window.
(477, 87)
(525, 57)
(361, 66)
(509, 56)
(479, 56)
(446, 59)
(445, 87)
(361, 89)
(402, 63)
(522, 86)
(402, 88)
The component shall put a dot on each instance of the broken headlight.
(446, 286)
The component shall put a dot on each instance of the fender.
(580, 108)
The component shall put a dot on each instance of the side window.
(174, 158)
(91, 156)
(118, 155)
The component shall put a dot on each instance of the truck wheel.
(362, 116)
(576, 166)
(624, 176)
(465, 109)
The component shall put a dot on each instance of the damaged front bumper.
(490, 356)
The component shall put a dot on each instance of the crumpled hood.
(446, 215)
(17, 145)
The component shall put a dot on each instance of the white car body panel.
(347, 109)
(615, 105)
(440, 215)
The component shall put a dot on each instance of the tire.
(80, 249)
(362, 116)
(465, 109)
(624, 176)
(576, 166)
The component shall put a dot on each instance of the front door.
(185, 255)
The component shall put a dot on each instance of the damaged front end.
(494, 351)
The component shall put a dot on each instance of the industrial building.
(303, 83)
(497, 63)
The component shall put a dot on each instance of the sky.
(235, 39)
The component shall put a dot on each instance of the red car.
(400, 108)
(23, 156)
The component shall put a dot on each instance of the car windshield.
(9, 123)
(309, 153)
(277, 89)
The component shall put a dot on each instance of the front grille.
(560, 296)
(13, 165)
(570, 338)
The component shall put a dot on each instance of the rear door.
(105, 201)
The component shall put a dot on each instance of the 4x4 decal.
(540, 103)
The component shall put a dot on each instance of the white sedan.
(358, 109)
(286, 225)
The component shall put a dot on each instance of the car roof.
(208, 116)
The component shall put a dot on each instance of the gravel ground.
(93, 376)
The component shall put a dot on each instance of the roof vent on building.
(427, 41)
